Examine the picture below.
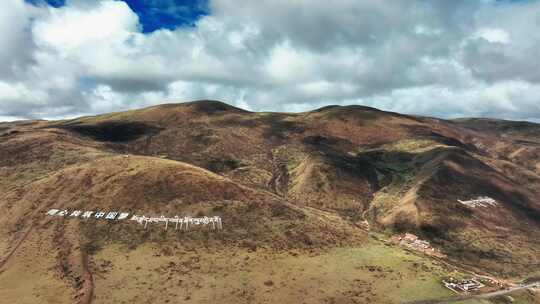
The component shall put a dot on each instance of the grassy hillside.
(300, 195)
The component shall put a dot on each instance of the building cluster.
(460, 286)
(482, 201)
(180, 222)
(414, 242)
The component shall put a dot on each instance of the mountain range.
(308, 203)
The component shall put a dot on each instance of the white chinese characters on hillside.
(182, 223)
(89, 214)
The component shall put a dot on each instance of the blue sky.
(55, 3)
(157, 14)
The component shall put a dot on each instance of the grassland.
(31, 277)
(374, 273)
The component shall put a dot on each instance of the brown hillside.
(282, 182)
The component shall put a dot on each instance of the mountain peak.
(206, 106)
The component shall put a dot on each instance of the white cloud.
(15, 40)
(445, 58)
(421, 29)
(287, 64)
(509, 99)
(493, 35)
(71, 29)
(19, 91)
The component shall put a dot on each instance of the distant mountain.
(280, 181)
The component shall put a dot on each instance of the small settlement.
(473, 284)
(412, 241)
(460, 286)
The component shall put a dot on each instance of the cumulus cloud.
(16, 39)
(442, 58)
